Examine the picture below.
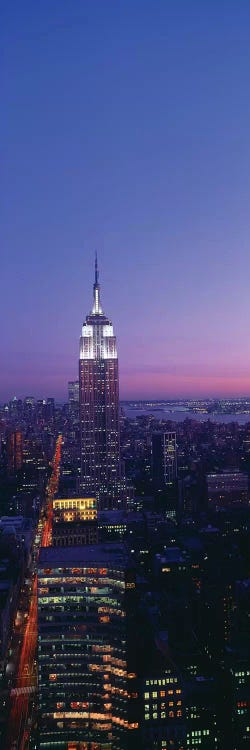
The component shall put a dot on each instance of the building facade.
(164, 458)
(14, 452)
(73, 397)
(86, 685)
(227, 488)
(74, 521)
(99, 407)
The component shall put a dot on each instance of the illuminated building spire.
(96, 310)
(99, 406)
(96, 270)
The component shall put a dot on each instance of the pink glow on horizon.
(160, 385)
(157, 382)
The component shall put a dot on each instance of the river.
(179, 416)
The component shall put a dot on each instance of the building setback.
(99, 407)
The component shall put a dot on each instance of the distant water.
(179, 416)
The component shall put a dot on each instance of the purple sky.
(125, 128)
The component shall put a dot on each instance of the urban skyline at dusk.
(138, 148)
(125, 375)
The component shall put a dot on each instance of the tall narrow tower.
(99, 406)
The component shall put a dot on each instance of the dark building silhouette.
(50, 409)
(227, 488)
(164, 472)
(164, 458)
(14, 452)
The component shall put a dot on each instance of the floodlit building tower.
(99, 407)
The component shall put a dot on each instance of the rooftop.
(115, 517)
(103, 554)
(171, 554)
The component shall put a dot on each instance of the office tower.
(227, 489)
(99, 407)
(163, 710)
(29, 407)
(164, 472)
(73, 397)
(13, 407)
(74, 521)
(14, 452)
(86, 683)
(164, 458)
(41, 411)
(202, 701)
(240, 677)
(50, 409)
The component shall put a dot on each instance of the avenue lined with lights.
(26, 680)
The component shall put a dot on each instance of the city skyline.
(125, 375)
(126, 132)
(150, 381)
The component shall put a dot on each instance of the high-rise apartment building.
(86, 681)
(99, 406)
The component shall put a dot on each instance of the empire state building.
(99, 406)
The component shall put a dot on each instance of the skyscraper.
(164, 471)
(99, 406)
(86, 687)
(73, 398)
(14, 451)
(164, 458)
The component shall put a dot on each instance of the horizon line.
(159, 399)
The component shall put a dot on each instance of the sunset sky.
(125, 129)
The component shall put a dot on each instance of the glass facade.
(84, 694)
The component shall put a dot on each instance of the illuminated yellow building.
(75, 509)
(74, 521)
